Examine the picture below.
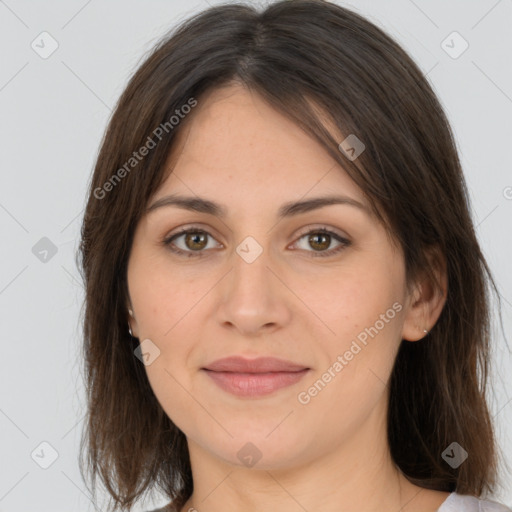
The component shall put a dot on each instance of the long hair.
(307, 59)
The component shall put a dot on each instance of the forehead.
(236, 144)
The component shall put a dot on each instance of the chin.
(258, 450)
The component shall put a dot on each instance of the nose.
(253, 298)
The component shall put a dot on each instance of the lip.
(259, 365)
(254, 377)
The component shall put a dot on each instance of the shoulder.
(465, 503)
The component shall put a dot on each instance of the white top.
(456, 503)
(465, 503)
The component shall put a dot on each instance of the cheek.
(171, 388)
(162, 295)
(364, 314)
(360, 305)
(352, 298)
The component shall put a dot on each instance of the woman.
(286, 303)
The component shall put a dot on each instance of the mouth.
(254, 377)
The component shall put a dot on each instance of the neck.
(359, 474)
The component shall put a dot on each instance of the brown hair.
(298, 55)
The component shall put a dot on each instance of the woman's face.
(253, 283)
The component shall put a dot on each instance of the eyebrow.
(201, 205)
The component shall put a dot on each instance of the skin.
(330, 454)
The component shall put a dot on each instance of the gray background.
(53, 113)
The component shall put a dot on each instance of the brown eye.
(189, 242)
(196, 241)
(320, 240)
(192, 242)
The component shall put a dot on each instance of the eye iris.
(196, 238)
(325, 241)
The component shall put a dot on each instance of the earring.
(424, 330)
(129, 328)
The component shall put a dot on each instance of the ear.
(427, 298)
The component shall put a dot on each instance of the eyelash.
(168, 242)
